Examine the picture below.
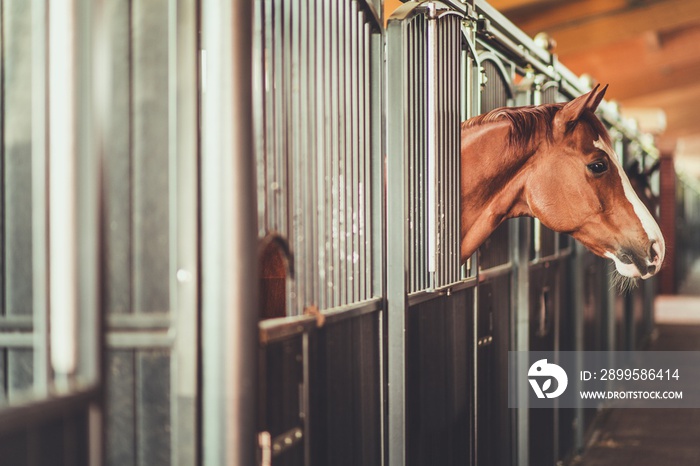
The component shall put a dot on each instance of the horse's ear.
(573, 110)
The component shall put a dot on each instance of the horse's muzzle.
(637, 264)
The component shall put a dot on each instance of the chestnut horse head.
(555, 162)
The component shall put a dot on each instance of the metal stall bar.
(432, 171)
(398, 58)
(229, 324)
(63, 241)
(39, 207)
(315, 100)
(446, 207)
(184, 270)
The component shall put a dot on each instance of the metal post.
(182, 95)
(62, 142)
(39, 206)
(229, 317)
(396, 244)
(520, 239)
(577, 281)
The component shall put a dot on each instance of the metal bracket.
(485, 341)
(287, 440)
(264, 449)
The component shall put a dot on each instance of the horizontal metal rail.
(272, 330)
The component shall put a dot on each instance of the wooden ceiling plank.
(628, 60)
(680, 103)
(651, 83)
(623, 24)
(509, 5)
(546, 18)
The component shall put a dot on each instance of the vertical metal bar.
(309, 43)
(519, 240)
(357, 179)
(442, 84)
(396, 266)
(449, 131)
(431, 174)
(465, 98)
(182, 59)
(411, 219)
(39, 207)
(322, 152)
(329, 154)
(63, 273)
(411, 149)
(456, 112)
(363, 117)
(454, 150)
(577, 279)
(448, 200)
(335, 150)
(440, 73)
(341, 141)
(278, 183)
(259, 102)
(370, 239)
(421, 160)
(228, 238)
(376, 150)
(419, 195)
(348, 162)
(3, 124)
(449, 159)
(297, 185)
(269, 64)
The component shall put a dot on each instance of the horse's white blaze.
(647, 220)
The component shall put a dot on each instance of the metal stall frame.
(333, 125)
(64, 330)
(229, 225)
(422, 176)
(501, 41)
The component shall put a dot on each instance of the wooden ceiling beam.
(640, 56)
(680, 105)
(613, 25)
(509, 5)
(536, 18)
(649, 83)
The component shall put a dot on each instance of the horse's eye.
(598, 167)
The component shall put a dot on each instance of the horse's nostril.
(651, 269)
(652, 251)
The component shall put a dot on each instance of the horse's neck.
(493, 182)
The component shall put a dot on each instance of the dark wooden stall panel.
(543, 315)
(344, 392)
(281, 388)
(493, 435)
(439, 361)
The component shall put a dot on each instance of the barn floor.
(655, 437)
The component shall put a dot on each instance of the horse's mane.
(526, 121)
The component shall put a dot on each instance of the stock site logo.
(546, 372)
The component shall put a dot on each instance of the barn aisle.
(656, 437)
